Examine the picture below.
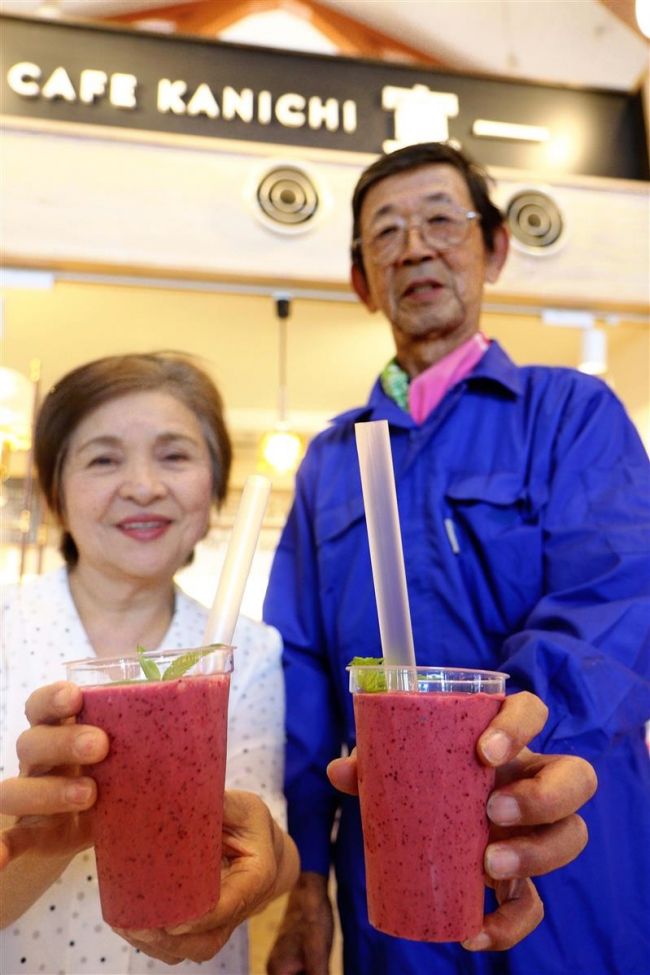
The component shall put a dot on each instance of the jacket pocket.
(335, 522)
(494, 525)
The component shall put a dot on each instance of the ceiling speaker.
(288, 198)
(535, 221)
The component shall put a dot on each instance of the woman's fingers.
(53, 703)
(148, 947)
(520, 911)
(45, 795)
(46, 836)
(45, 746)
(536, 852)
(197, 947)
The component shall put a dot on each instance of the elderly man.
(523, 497)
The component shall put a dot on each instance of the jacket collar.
(495, 368)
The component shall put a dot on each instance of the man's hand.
(260, 863)
(304, 941)
(534, 828)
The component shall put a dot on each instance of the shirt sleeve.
(585, 646)
(313, 734)
(256, 716)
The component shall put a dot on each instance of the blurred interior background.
(117, 241)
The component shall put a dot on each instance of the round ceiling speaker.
(288, 196)
(534, 219)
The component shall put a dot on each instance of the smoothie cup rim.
(97, 663)
(425, 678)
(430, 668)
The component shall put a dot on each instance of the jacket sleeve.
(312, 721)
(585, 646)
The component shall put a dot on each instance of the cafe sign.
(190, 86)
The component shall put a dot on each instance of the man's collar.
(495, 367)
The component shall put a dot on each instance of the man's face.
(426, 293)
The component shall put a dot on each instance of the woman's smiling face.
(137, 486)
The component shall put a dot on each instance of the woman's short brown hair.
(91, 385)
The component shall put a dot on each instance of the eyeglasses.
(440, 228)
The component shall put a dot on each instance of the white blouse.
(63, 932)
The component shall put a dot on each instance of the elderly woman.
(131, 452)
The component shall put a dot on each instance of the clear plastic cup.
(158, 817)
(423, 793)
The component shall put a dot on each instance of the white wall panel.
(93, 201)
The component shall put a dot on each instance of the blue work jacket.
(524, 502)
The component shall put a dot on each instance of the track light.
(593, 358)
(281, 449)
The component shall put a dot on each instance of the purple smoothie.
(423, 794)
(158, 817)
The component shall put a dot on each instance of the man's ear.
(360, 285)
(497, 257)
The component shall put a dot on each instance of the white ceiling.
(569, 42)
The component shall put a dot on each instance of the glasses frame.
(417, 220)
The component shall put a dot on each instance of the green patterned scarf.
(395, 383)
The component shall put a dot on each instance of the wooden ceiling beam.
(208, 18)
(625, 10)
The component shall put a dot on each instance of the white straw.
(386, 555)
(237, 564)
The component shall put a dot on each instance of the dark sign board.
(191, 86)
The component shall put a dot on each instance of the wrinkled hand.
(51, 797)
(534, 825)
(304, 941)
(260, 863)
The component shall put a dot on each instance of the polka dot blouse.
(63, 933)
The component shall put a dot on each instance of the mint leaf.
(149, 667)
(182, 664)
(370, 683)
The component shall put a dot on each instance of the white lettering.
(349, 116)
(58, 85)
(319, 112)
(203, 102)
(170, 96)
(289, 110)
(420, 114)
(237, 104)
(122, 90)
(92, 85)
(264, 107)
(23, 79)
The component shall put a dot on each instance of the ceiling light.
(16, 402)
(49, 10)
(593, 358)
(643, 16)
(281, 449)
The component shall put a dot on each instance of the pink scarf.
(427, 389)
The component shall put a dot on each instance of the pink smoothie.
(157, 821)
(423, 794)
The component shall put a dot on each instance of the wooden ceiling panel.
(206, 18)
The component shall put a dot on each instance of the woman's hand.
(50, 796)
(45, 808)
(260, 863)
(535, 828)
